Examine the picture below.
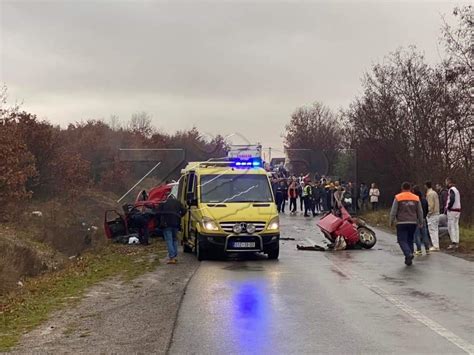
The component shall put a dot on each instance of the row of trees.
(38, 159)
(413, 121)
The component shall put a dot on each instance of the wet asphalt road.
(358, 301)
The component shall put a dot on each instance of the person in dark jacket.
(171, 212)
(139, 221)
(281, 195)
(443, 197)
(407, 213)
(317, 197)
(421, 234)
(364, 196)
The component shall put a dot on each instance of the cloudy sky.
(223, 66)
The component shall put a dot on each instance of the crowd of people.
(416, 210)
(321, 194)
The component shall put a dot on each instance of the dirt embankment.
(34, 244)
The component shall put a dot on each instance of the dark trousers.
(329, 202)
(307, 205)
(293, 204)
(278, 202)
(405, 235)
(312, 205)
(302, 203)
(324, 203)
(317, 204)
(422, 236)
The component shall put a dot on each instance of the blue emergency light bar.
(252, 163)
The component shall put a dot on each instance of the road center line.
(428, 322)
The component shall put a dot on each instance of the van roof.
(220, 167)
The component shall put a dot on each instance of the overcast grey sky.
(222, 66)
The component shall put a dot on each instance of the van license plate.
(244, 244)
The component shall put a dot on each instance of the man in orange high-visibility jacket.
(408, 214)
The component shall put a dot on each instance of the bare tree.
(140, 123)
(114, 123)
(314, 128)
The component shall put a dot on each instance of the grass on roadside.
(380, 219)
(25, 309)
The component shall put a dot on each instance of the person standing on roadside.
(293, 194)
(374, 194)
(421, 234)
(330, 195)
(312, 199)
(170, 213)
(453, 211)
(338, 197)
(443, 197)
(300, 194)
(364, 196)
(324, 198)
(281, 194)
(307, 197)
(432, 217)
(407, 213)
(317, 197)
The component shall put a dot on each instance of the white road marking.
(431, 324)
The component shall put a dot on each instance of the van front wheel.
(274, 253)
(201, 254)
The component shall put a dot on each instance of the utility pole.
(269, 154)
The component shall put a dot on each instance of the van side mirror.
(191, 200)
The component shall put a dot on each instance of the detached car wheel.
(367, 237)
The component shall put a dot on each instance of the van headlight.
(209, 224)
(274, 224)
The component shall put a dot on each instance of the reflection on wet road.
(328, 302)
(251, 315)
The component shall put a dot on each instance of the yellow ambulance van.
(231, 209)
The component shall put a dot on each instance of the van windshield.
(235, 188)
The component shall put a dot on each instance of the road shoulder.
(118, 317)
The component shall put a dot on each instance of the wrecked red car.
(339, 226)
(115, 222)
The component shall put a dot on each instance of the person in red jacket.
(293, 194)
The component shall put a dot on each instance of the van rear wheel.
(186, 247)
